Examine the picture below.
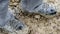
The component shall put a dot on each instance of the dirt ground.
(36, 23)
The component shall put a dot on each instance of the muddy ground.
(36, 23)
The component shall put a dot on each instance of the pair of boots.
(36, 6)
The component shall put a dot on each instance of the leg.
(7, 20)
(30, 4)
(3, 12)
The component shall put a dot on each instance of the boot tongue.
(30, 4)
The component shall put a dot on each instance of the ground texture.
(36, 24)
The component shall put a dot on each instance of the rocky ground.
(36, 24)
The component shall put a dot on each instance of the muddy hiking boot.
(14, 25)
(8, 21)
(38, 6)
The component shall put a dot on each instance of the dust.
(36, 23)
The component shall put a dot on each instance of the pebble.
(37, 16)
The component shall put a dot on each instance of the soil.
(36, 23)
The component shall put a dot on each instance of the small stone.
(17, 1)
(13, 1)
(37, 16)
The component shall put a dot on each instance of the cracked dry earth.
(36, 24)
